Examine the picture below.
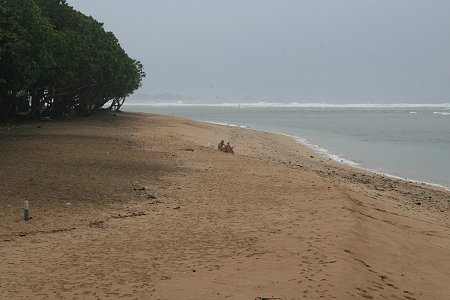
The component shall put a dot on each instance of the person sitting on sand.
(221, 145)
(228, 148)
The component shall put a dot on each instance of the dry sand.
(135, 206)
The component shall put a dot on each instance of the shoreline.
(136, 206)
(432, 174)
(335, 157)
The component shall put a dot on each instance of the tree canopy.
(55, 60)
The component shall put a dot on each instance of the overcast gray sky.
(333, 51)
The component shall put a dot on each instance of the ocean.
(405, 141)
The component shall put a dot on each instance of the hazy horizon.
(323, 51)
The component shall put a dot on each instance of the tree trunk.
(10, 107)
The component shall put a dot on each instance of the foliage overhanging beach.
(55, 60)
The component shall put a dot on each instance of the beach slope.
(137, 206)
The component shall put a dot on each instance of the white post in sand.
(26, 212)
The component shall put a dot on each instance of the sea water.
(406, 141)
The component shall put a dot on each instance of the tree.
(60, 60)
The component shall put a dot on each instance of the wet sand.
(136, 206)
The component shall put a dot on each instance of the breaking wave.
(291, 105)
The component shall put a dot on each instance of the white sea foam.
(326, 153)
(441, 113)
(292, 105)
(226, 124)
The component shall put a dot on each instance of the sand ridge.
(135, 206)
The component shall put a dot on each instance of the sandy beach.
(137, 206)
